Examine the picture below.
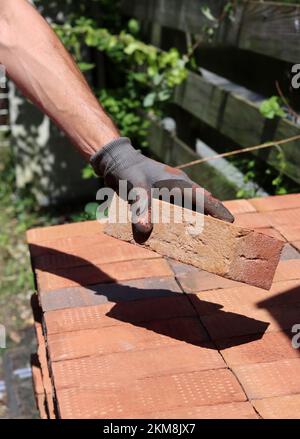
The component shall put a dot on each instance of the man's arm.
(38, 63)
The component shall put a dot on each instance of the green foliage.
(271, 108)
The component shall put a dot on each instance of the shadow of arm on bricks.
(155, 303)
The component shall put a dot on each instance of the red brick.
(280, 407)
(89, 275)
(235, 299)
(233, 410)
(291, 232)
(126, 337)
(151, 394)
(204, 281)
(289, 252)
(248, 320)
(270, 231)
(266, 380)
(40, 234)
(38, 387)
(122, 368)
(102, 293)
(287, 270)
(296, 244)
(96, 253)
(273, 346)
(288, 217)
(239, 206)
(278, 202)
(110, 314)
(252, 220)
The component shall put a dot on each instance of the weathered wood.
(218, 105)
(170, 149)
(210, 244)
(267, 28)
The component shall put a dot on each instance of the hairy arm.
(38, 63)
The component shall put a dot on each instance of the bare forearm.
(38, 63)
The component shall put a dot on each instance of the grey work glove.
(118, 160)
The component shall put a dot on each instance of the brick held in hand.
(222, 248)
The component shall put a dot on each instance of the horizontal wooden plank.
(170, 149)
(234, 116)
(267, 28)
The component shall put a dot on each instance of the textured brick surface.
(234, 410)
(289, 232)
(111, 314)
(266, 380)
(38, 387)
(252, 220)
(152, 394)
(140, 348)
(120, 369)
(239, 206)
(280, 407)
(270, 231)
(94, 274)
(203, 281)
(220, 248)
(273, 346)
(284, 293)
(120, 338)
(278, 202)
(96, 253)
(287, 270)
(289, 252)
(286, 217)
(103, 293)
(41, 234)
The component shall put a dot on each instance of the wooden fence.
(271, 29)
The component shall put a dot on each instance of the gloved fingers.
(140, 205)
(206, 204)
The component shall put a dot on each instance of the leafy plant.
(271, 108)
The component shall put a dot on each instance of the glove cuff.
(116, 155)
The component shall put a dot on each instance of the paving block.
(290, 232)
(233, 410)
(272, 346)
(38, 387)
(40, 234)
(152, 394)
(95, 274)
(111, 314)
(204, 281)
(287, 270)
(284, 293)
(289, 252)
(126, 337)
(220, 247)
(252, 221)
(288, 217)
(123, 368)
(239, 206)
(296, 244)
(96, 253)
(102, 293)
(277, 202)
(266, 380)
(279, 407)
